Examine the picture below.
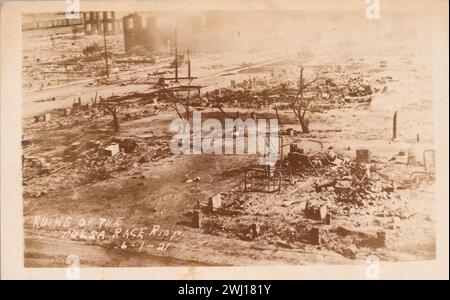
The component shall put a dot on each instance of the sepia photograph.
(259, 133)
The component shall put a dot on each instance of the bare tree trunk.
(278, 116)
(300, 105)
(304, 123)
(115, 122)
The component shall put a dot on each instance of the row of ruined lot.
(324, 196)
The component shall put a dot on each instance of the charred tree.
(181, 105)
(301, 104)
(113, 110)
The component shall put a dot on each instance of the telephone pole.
(104, 42)
(189, 64)
(176, 57)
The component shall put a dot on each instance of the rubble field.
(339, 193)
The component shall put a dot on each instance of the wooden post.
(394, 127)
(176, 57)
(189, 65)
(106, 52)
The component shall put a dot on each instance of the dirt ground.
(154, 191)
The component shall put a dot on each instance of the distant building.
(139, 31)
(47, 21)
(99, 22)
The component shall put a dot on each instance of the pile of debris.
(354, 183)
(85, 162)
(98, 161)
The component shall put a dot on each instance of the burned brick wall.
(99, 23)
(139, 31)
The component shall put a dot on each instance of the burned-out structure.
(206, 32)
(100, 22)
(139, 31)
